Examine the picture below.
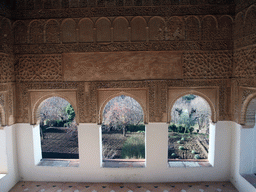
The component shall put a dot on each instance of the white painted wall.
(156, 169)
(240, 147)
(3, 153)
(254, 150)
(12, 176)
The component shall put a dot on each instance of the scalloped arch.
(245, 107)
(101, 109)
(38, 104)
(193, 92)
(214, 18)
(248, 10)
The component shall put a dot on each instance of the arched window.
(123, 131)
(188, 133)
(58, 129)
(248, 142)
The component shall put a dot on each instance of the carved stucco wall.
(244, 62)
(204, 41)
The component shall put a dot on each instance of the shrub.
(134, 148)
(172, 128)
(173, 155)
(140, 131)
(193, 152)
(182, 139)
(191, 129)
(181, 129)
(179, 142)
(181, 148)
(135, 128)
(197, 157)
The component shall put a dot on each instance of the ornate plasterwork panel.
(6, 68)
(123, 46)
(244, 62)
(122, 66)
(38, 68)
(38, 96)
(210, 65)
(105, 95)
(210, 94)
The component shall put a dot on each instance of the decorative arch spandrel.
(37, 97)
(105, 95)
(209, 94)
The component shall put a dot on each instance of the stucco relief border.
(37, 97)
(139, 94)
(246, 94)
(3, 107)
(210, 94)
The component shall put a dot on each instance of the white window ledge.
(2, 176)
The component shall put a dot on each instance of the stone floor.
(123, 187)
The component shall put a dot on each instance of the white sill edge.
(2, 176)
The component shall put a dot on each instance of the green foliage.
(188, 98)
(182, 139)
(197, 157)
(193, 152)
(179, 142)
(173, 155)
(71, 112)
(134, 148)
(140, 131)
(172, 128)
(181, 148)
(135, 128)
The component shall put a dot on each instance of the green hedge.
(135, 128)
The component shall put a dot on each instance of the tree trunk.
(124, 131)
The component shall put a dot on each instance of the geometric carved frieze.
(245, 63)
(210, 65)
(210, 94)
(123, 46)
(6, 68)
(38, 96)
(105, 95)
(39, 68)
(122, 66)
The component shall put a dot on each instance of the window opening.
(188, 132)
(123, 133)
(58, 129)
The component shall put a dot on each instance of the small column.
(147, 32)
(94, 35)
(129, 34)
(112, 34)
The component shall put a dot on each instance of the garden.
(123, 131)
